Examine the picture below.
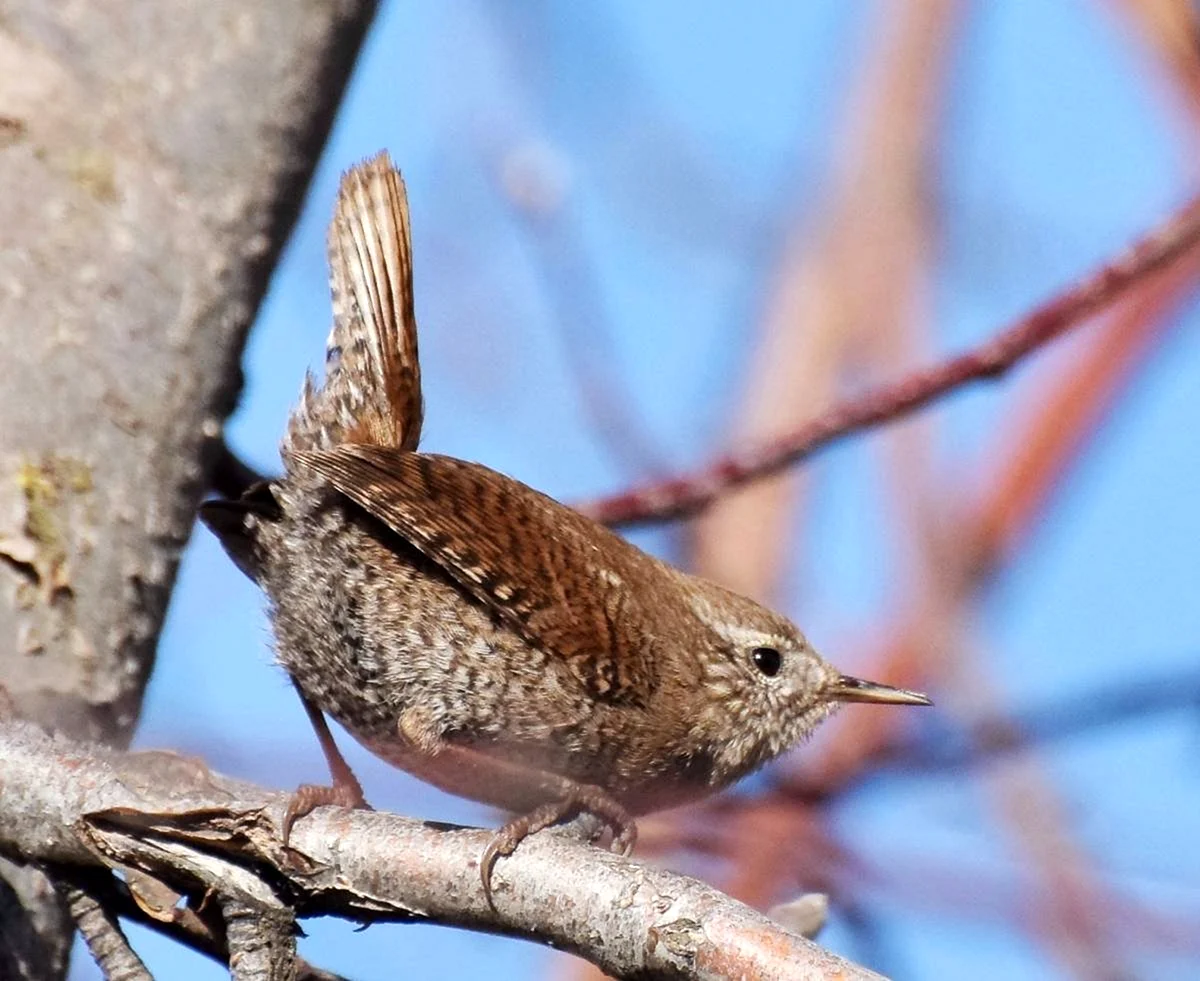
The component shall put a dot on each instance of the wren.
(479, 634)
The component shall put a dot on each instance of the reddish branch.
(959, 748)
(684, 496)
(992, 530)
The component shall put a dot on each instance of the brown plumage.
(372, 388)
(478, 633)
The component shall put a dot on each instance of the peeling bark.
(210, 838)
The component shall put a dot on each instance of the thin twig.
(104, 937)
(996, 737)
(590, 352)
(863, 265)
(262, 942)
(31, 947)
(993, 529)
(687, 495)
(203, 931)
(231, 476)
(1024, 731)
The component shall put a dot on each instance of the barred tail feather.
(372, 388)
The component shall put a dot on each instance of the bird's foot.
(582, 799)
(308, 797)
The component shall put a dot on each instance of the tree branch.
(104, 937)
(262, 944)
(231, 476)
(206, 835)
(34, 923)
(687, 495)
(148, 902)
(998, 736)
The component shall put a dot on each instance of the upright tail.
(372, 388)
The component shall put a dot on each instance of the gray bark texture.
(153, 156)
(176, 829)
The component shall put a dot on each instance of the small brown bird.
(477, 633)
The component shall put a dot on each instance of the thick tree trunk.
(152, 159)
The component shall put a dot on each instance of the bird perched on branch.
(477, 633)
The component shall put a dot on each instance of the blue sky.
(675, 131)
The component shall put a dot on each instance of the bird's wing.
(565, 583)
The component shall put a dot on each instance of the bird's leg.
(346, 791)
(488, 776)
(580, 798)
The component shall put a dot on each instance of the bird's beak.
(847, 689)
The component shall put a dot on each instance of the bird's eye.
(767, 660)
